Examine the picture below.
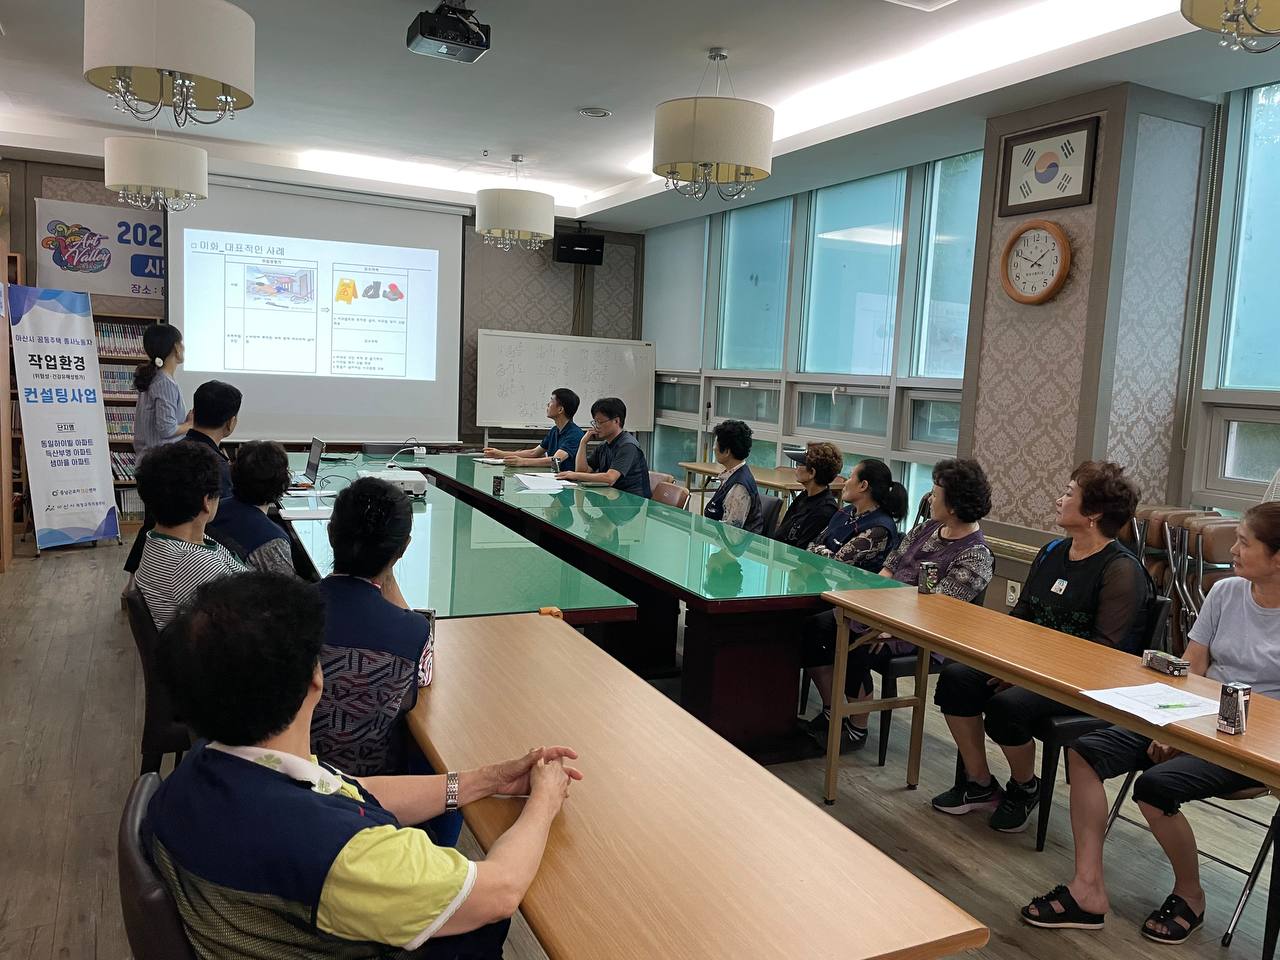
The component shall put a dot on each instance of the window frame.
(905, 442)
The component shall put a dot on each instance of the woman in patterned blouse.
(951, 539)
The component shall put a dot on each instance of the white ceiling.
(333, 75)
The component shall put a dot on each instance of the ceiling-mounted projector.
(448, 31)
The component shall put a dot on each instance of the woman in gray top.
(160, 416)
(1236, 638)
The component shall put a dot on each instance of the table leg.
(1273, 895)
(834, 729)
(917, 717)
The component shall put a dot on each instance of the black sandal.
(1071, 917)
(1173, 909)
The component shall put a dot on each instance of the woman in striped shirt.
(160, 416)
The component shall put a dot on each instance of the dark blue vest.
(844, 526)
(244, 528)
(714, 509)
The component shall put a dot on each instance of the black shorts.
(1166, 786)
(1009, 715)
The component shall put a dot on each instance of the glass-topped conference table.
(462, 563)
(745, 595)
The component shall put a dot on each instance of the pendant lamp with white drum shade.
(195, 56)
(700, 142)
(508, 217)
(156, 174)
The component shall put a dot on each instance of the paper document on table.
(491, 461)
(541, 482)
(1156, 703)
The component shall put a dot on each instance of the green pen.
(1174, 706)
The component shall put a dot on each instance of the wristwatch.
(451, 790)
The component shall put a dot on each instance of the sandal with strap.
(1072, 916)
(1173, 909)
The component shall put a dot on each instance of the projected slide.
(264, 304)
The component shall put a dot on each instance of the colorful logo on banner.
(75, 247)
(90, 248)
(64, 428)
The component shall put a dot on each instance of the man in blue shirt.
(619, 461)
(561, 442)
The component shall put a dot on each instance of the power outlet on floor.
(1012, 591)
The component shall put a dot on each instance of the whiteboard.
(516, 372)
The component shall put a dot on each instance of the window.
(754, 404)
(764, 453)
(754, 285)
(854, 258)
(858, 413)
(676, 396)
(1250, 361)
(952, 227)
(935, 421)
(671, 446)
(919, 481)
(1253, 451)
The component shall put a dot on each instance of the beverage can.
(1233, 708)
(929, 577)
(499, 485)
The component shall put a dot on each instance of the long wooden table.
(779, 479)
(676, 845)
(1057, 666)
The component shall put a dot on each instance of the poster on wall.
(95, 249)
(64, 428)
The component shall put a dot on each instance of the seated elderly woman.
(1236, 638)
(810, 512)
(1087, 585)
(950, 538)
(268, 852)
(737, 501)
(259, 478)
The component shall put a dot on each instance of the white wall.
(675, 275)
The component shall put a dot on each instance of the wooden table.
(779, 479)
(1058, 666)
(676, 845)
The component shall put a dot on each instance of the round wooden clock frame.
(1048, 293)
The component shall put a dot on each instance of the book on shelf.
(117, 380)
(123, 464)
(130, 504)
(119, 423)
(118, 339)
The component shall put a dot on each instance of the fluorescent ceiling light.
(430, 175)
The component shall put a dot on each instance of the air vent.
(926, 6)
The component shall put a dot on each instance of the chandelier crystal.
(701, 143)
(153, 174)
(1249, 25)
(509, 217)
(194, 56)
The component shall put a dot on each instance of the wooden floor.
(71, 713)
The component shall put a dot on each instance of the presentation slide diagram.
(261, 304)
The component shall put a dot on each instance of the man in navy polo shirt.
(560, 445)
(619, 461)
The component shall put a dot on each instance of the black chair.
(161, 732)
(894, 668)
(151, 918)
(770, 511)
(1056, 733)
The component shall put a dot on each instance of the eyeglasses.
(601, 423)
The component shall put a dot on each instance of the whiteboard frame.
(649, 412)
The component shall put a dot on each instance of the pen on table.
(1174, 706)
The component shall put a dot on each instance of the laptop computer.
(306, 481)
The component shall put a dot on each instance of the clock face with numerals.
(1036, 261)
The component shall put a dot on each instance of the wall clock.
(1048, 169)
(1036, 261)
